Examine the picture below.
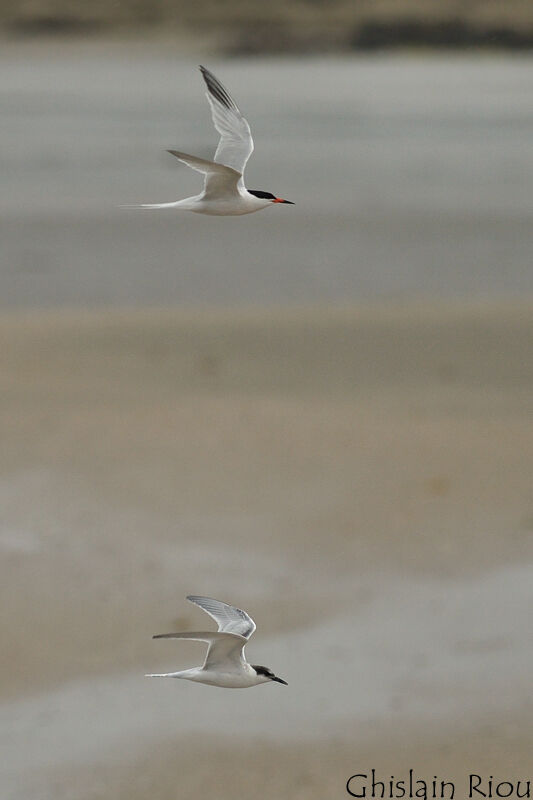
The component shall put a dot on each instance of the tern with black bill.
(225, 663)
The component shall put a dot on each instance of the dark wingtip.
(216, 89)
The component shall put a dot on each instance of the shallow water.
(411, 176)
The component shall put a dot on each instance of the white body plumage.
(224, 191)
(225, 664)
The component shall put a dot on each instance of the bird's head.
(268, 196)
(267, 675)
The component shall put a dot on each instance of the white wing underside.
(236, 144)
(224, 175)
(220, 180)
(228, 618)
(225, 649)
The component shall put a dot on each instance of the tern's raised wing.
(228, 618)
(236, 144)
(225, 649)
(220, 180)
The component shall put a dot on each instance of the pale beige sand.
(368, 468)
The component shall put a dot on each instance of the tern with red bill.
(224, 191)
(225, 664)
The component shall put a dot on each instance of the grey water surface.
(411, 176)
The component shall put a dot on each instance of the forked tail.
(149, 205)
(163, 675)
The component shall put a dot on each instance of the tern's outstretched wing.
(225, 649)
(220, 180)
(228, 618)
(236, 144)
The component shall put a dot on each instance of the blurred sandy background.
(324, 416)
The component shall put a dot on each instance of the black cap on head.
(268, 674)
(263, 671)
(266, 196)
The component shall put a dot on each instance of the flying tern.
(224, 191)
(225, 664)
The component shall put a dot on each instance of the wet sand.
(358, 479)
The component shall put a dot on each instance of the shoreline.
(358, 479)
